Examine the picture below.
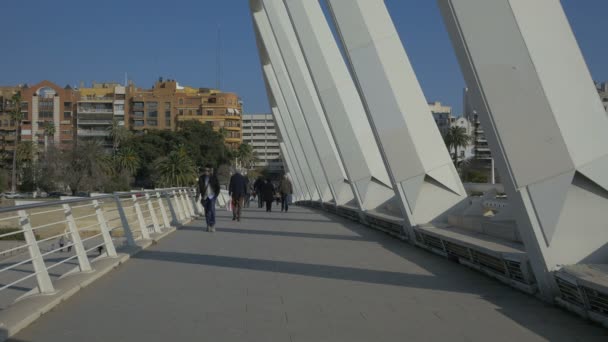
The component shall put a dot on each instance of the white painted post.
(152, 214)
(140, 217)
(81, 252)
(42, 275)
(186, 197)
(163, 211)
(124, 221)
(180, 211)
(105, 232)
(172, 210)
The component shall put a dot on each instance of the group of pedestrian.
(240, 193)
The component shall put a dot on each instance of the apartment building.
(442, 115)
(48, 104)
(8, 129)
(97, 108)
(260, 132)
(167, 104)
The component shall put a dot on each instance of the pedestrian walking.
(268, 194)
(70, 243)
(208, 189)
(61, 243)
(237, 190)
(286, 190)
(247, 193)
(257, 187)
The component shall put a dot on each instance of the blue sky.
(70, 41)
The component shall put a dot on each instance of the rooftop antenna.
(218, 81)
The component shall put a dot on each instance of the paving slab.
(299, 276)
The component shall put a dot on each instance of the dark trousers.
(209, 205)
(237, 206)
(260, 201)
(269, 206)
(284, 202)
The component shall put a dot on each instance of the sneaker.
(213, 229)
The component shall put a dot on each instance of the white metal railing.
(53, 238)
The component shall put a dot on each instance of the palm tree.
(16, 116)
(245, 154)
(118, 133)
(455, 138)
(49, 130)
(176, 169)
(126, 159)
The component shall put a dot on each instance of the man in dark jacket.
(237, 190)
(268, 194)
(286, 190)
(208, 188)
(257, 187)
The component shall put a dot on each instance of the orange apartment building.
(167, 104)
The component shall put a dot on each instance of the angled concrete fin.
(597, 172)
(411, 189)
(548, 198)
(445, 176)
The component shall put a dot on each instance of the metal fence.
(53, 238)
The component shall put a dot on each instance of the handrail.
(78, 226)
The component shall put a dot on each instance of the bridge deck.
(301, 276)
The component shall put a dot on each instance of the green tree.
(176, 170)
(118, 133)
(455, 138)
(127, 160)
(88, 166)
(246, 155)
(49, 131)
(17, 117)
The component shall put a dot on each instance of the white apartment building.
(442, 115)
(260, 132)
(97, 107)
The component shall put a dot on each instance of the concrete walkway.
(301, 276)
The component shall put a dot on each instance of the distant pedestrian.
(208, 189)
(100, 250)
(237, 191)
(248, 193)
(257, 187)
(70, 243)
(268, 194)
(61, 243)
(286, 189)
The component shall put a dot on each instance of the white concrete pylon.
(289, 168)
(544, 122)
(293, 112)
(288, 134)
(340, 101)
(418, 162)
(305, 91)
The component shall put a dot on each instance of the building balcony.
(92, 133)
(94, 99)
(95, 122)
(95, 110)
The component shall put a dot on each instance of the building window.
(167, 105)
(139, 123)
(181, 112)
(138, 106)
(210, 112)
(67, 115)
(119, 107)
(67, 105)
(153, 123)
(181, 101)
(120, 96)
(138, 114)
(152, 110)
